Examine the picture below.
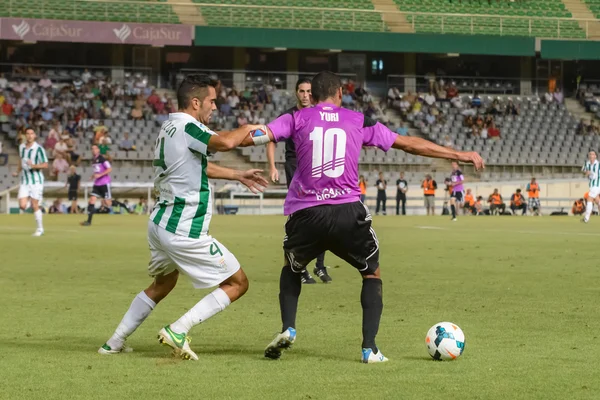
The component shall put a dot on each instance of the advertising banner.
(33, 30)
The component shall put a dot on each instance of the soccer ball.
(445, 341)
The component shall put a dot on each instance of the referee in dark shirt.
(303, 95)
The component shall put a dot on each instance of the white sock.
(210, 305)
(38, 219)
(588, 209)
(140, 308)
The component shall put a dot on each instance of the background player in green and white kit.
(591, 169)
(178, 227)
(33, 161)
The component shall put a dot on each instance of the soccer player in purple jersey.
(458, 189)
(304, 100)
(323, 202)
(101, 189)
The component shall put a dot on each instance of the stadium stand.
(486, 18)
(148, 11)
(277, 16)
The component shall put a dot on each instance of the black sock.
(91, 209)
(290, 286)
(371, 300)
(453, 211)
(321, 261)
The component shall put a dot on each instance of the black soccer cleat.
(306, 278)
(322, 274)
(85, 223)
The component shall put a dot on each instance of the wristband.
(260, 137)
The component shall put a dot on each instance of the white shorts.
(594, 192)
(35, 191)
(205, 261)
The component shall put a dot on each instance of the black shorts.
(459, 196)
(72, 195)
(102, 191)
(343, 229)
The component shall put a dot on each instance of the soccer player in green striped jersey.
(178, 226)
(33, 161)
(591, 169)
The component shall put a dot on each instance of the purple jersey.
(328, 142)
(457, 180)
(100, 164)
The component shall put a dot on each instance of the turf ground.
(524, 290)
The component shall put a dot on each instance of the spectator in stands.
(393, 96)
(20, 139)
(429, 187)
(381, 185)
(558, 96)
(71, 128)
(517, 202)
(430, 118)
(154, 101)
(45, 82)
(7, 109)
(578, 207)
(224, 108)
(126, 143)
(3, 157)
(72, 157)
(476, 101)
(59, 166)
(492, 131)
(402, 130)
(137, 113)
(430, 98)
(496, 203)
(548, 97)
(105, 110)
(86, 76)
(495, 108)
(161, 117)
(448, 142)
(347, 99)
(451, 92)
(60, 148)
(362, 184)
(581, 127)
(47, 115)
(104, 147)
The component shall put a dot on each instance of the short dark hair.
(324, 85)
(301, 81)
(518, 190)
(193, 86)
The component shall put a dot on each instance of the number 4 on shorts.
(214, 249)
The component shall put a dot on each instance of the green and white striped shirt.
(184, 206)
(37, 155)
(595, 175)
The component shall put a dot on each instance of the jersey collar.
(185, 117)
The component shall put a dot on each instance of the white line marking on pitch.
(431, 227)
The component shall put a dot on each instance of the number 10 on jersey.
(329, 152)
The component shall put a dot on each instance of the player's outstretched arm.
(229, 140)
(251, 178)
(422, 147)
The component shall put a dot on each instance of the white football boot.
(282, 341)
(368, 357)
(180, 342)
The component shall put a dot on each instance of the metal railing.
(320, 17)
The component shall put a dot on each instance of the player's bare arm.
(273, 172)
(251, 178)
(229, 140)
(18, 171)
(422, 147)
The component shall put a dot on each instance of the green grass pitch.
(524, 290)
